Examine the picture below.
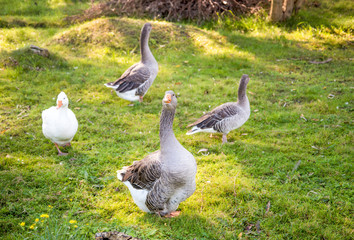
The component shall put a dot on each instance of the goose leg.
(173, 214)
(224, 139)
(68, 145)
(169, 215)
(140, 98)
(60, 153)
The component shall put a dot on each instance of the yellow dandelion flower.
(32, 226)
(71, 199)
(36, 220)
(22, 224)
(75, 226)
(50, 206)
(42, 221)
(72, 221)
(44, 216)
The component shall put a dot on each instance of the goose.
(59, 123)
(136, 80)
(227, 116)
(165, 178)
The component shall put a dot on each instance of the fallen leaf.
(178, 65)
(248, 228)
(240, 235)
(303, 117)
(330, 96)
(77, 108)
(258, 226)
(244, 134)
(267, 207)
(178, 83)
(78, 100)
(3, 131)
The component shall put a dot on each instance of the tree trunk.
(288, 9)
(276, 10)
(282, 10)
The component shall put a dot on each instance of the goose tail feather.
(195, 129)
(110, 85)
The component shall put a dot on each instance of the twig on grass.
(321, 62)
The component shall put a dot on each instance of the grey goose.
(136, 80)
(227, 116)
(162, 180)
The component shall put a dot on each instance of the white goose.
(59, 123)
(227, 116)
(136, 80)
(162, 180)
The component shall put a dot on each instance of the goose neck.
(144, 46)
(167, 135)
(242, 96)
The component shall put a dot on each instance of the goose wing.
(144, 173)
(132, 78)
(210, 119)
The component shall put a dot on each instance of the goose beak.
(60, 103)
(167, 98)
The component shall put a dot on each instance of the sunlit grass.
(300, 112)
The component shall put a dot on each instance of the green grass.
(235, 182)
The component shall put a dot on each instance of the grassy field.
(288, 173)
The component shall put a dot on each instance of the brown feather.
(144, 173)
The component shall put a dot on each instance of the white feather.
(139, 195)
(196, 129)
(111, 86)
(129, 95)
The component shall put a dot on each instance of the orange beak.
(60, 103)
(167, 98)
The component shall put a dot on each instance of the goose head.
(62, 100)
(146, 28)
(244, 80)
(170, 100)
